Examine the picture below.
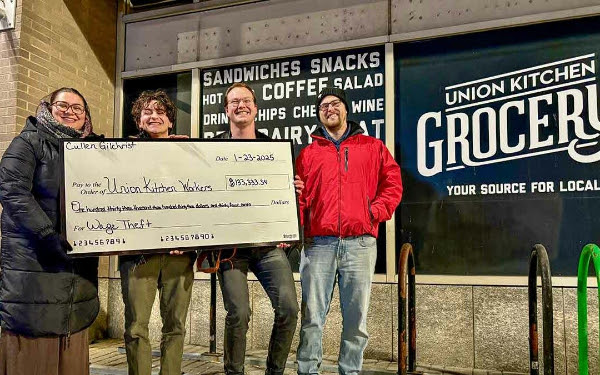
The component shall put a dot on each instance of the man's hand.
(176, 252)
(298, 184)
(283, 245)
(179, 136)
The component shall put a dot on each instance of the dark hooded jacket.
(40, 295)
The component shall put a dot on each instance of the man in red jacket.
(352, 183)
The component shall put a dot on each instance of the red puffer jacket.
(350, 191)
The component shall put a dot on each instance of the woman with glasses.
(47, 299)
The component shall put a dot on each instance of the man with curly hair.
(141, 275)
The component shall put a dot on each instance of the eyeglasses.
(334, 104)
(236, 102)
(77, 109)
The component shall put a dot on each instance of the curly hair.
(163, 101)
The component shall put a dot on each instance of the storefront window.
(493, 132)
(286, 91)
(177, 86)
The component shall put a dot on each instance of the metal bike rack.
(589, 251)
(213, 314)
(213, 262)
(406, 270)
(539, 261)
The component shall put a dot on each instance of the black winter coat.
(39, 294)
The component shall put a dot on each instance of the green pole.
(590, 251)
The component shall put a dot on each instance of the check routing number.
(120, 196)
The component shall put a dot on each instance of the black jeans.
(272, 269)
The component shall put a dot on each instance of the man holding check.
(269, 264)
(141, 275)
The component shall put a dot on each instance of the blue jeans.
(351, 261)
(272, 269)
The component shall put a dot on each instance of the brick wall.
(57, 43)
(67, 43)
(9, 46)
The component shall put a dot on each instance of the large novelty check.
(123, 196)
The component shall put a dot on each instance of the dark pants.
(273, 271)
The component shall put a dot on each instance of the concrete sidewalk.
(107, 357)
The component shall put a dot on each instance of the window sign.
(286, 90)
(498, 139)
